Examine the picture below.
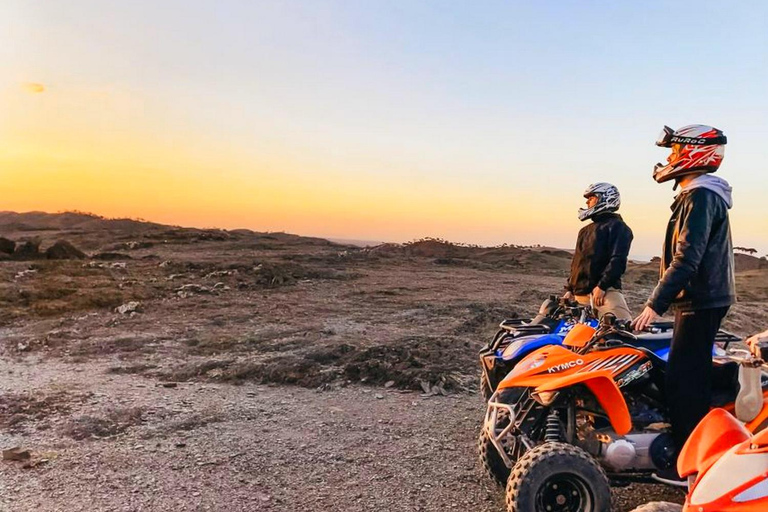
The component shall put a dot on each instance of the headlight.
(531, 363)
(513, 347)
(545, 398)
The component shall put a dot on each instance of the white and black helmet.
(608, 200)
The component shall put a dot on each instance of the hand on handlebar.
(644, 319)
(757, 338)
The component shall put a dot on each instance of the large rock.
(29, 250)
(7, 246)
(63, 250)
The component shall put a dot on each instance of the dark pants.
(689, 370)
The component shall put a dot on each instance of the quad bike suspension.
(552, 431)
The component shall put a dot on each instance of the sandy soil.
(296, 370)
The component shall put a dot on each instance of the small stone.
(130, 307)
(379, 396)
(16, 453)
(389, 384)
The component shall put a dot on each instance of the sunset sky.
(478, 122)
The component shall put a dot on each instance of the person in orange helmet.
(697, 273)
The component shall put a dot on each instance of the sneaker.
(669, 476)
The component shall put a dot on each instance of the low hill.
(93, 232)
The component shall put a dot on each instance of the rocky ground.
(178, 369)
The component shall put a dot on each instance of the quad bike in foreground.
(726, 466)
(595, 407)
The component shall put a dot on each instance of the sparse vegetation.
(114, 422)
(18, 409)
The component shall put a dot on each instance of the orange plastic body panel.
(601, 384)
(579, 336)
(717, 433)
(523, 375)
(726, 504)
(554, 361)
(554, 367)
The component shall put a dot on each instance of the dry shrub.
(115, 422)
(16, 409)
(62, 287)
(407, 362)
(116, 345)
(195, 421)
(195, 370)
(133, 369)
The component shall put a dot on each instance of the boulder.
(29, 250)
(63, 250)
(7, 246)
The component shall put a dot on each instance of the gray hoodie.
(715, 184)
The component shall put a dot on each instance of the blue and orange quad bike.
(594, 406)
(516, 338)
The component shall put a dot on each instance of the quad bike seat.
(538, 325)
(651, 341)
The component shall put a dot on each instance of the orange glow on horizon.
(107, 152)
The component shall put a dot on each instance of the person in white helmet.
(697, 273)
(600, 258)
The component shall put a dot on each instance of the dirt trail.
(231, 448)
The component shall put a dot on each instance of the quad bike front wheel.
(558, 477)
(491, 460)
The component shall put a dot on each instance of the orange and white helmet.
(695, 148)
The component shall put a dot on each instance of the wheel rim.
(564, 493)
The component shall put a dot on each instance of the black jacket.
(697, 265)
(601, 254)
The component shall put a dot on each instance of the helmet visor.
(665, 137)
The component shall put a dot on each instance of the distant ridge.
(80, 228)
(357, 243)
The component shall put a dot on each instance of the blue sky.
(477, 122)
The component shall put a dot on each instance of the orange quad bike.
(595, 407)
(726, 466)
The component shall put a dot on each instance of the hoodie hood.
(714, 183)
